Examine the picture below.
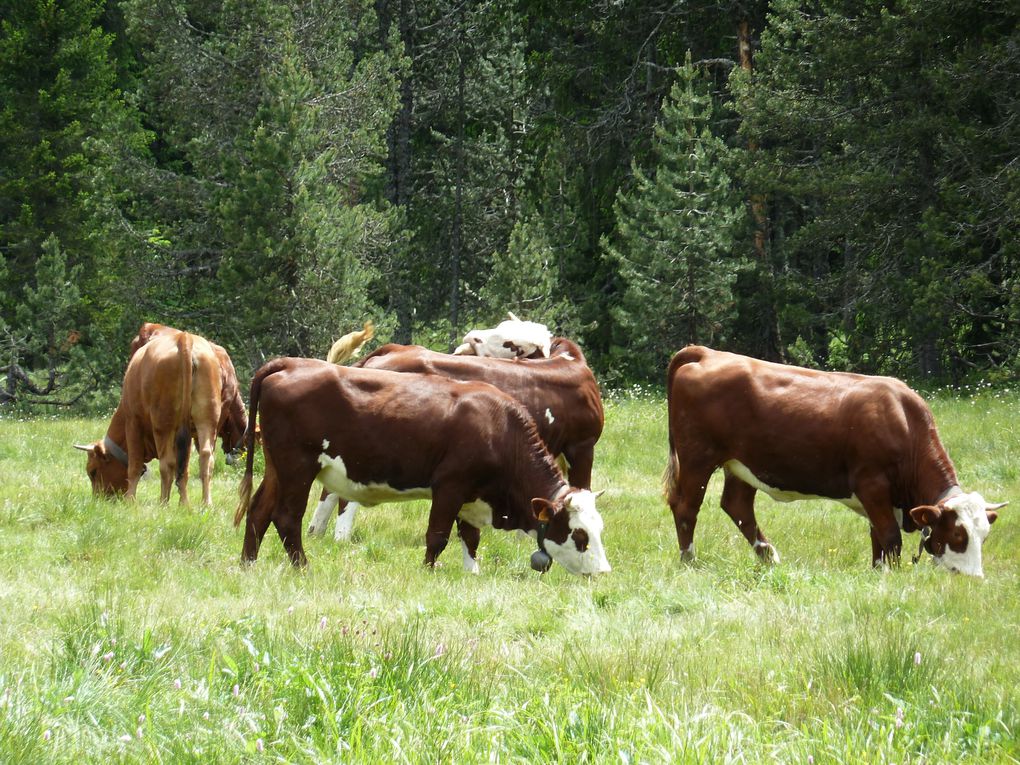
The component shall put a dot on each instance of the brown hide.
(826, 434)
(460, 441)
(233, 418)
(171, 394)
(561, 388)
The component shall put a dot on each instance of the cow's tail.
(350, 344)
(671, 475)
(244, 492)
(182, 443)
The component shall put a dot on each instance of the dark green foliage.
(676, 236)
(272, 174)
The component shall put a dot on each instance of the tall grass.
(130, 633)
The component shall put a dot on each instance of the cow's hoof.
(687, 556)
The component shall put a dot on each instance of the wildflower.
(141, 719)
(917, 659)
(373, 673)
(126, 738)
(237, 690)
(47, 734)
(205, 715)
(138, 733)
(899, 717)
(177, 683)
(290, 610)
(440, 649)
(259, 745)
(108, 656)
(322, 623)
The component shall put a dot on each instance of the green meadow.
(130, 633)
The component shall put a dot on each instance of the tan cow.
(233, 417)
(792, 433)
(172, 392)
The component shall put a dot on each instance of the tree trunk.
(456, 238)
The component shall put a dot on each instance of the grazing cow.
(233, 418)
(350, 345)
(867, 442)
(510, 339)
(560, 393)
(373, 436)
(171, 393)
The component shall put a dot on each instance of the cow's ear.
(543, 509)
(992, 516)
(926, 515)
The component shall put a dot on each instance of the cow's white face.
(574, 534)
(959, 526)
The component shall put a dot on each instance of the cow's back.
(560, 393)
(797, 428)
(385, 426)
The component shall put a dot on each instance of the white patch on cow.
(345, 522)
(549, 416)
(971, 515)
(470, 564)
(583, 515)
(567, 356)
(741, 471)
(687, 554)
(321, 516)
(325, 444)
(477, 513)
(334, 477)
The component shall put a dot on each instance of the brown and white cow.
(374, 436)
(560, 393)
(172, 393)
(233, 417)
(792, 433)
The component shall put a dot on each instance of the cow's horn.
(83, 447)
(511, 315)
(996, 505)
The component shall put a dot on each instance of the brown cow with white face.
(374, 436)
(233, 417)
(560, 393)
(171, 394)
(867, 442)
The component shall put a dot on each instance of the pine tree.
(674, 240)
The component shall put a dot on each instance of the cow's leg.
(470, 536)
(580, 458)
(260, 512)
(345, 520)
(886, 540)
(685, 492)
(446, 504)
(738, 502)
(323, 512)
(206, 457)
(167, 453)
(135, 467)
(287, 515)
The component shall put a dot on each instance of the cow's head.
(572, 532)
(106, 468)
(232, 430)
(958, 526)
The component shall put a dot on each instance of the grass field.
(130, 633)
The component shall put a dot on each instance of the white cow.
(510, 339)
